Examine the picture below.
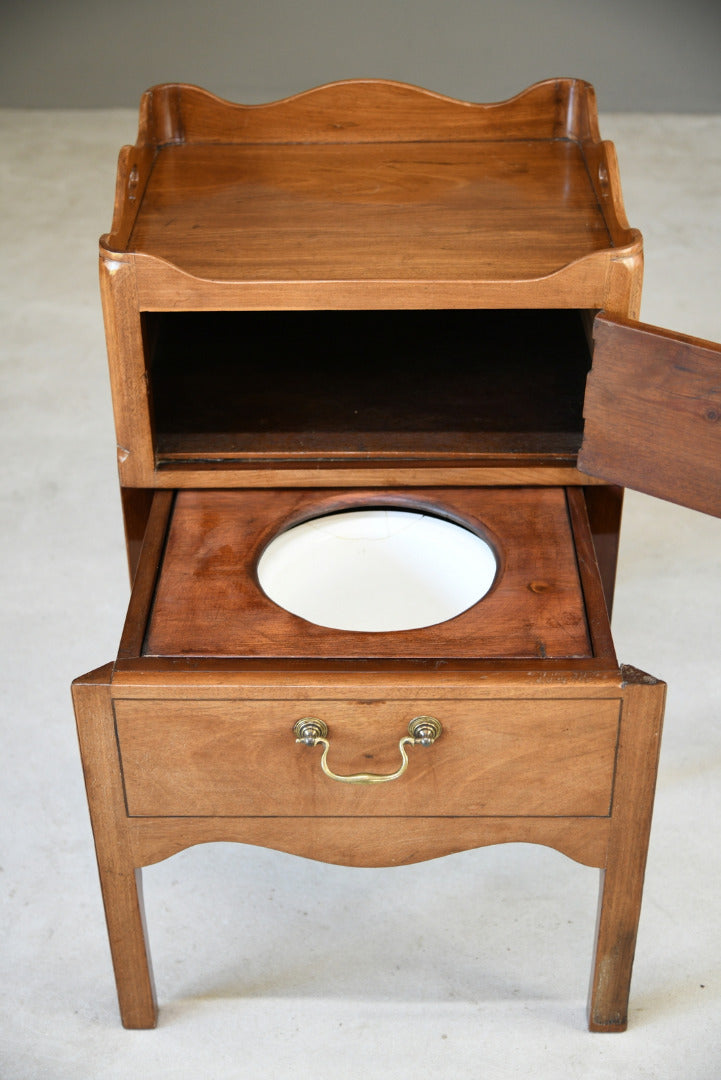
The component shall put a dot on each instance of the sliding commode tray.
(209, 600)
(227, 717)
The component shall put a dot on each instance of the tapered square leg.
(120, 880)
(622, 878)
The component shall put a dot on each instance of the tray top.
(395, 210)
(372, 181)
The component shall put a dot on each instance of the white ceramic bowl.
(377, 570)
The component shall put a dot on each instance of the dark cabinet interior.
(269, 384)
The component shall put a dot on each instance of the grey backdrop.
(642, 55)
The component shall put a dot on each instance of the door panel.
(653, 413)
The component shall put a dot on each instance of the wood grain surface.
(504, 210)
(219, 758)
(653, 413)
(208, 600)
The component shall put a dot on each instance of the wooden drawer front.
(238, 758)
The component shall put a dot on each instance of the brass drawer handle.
(422, 731)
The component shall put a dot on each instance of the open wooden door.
(653, 413)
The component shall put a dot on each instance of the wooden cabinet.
(369, 295)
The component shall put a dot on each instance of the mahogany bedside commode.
(372, 296)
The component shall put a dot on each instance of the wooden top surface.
(370, 193)
(502, 210)
(208, 601)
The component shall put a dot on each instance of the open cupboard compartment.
(273, 397)
(284, 387)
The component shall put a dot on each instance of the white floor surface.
(268, 965)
